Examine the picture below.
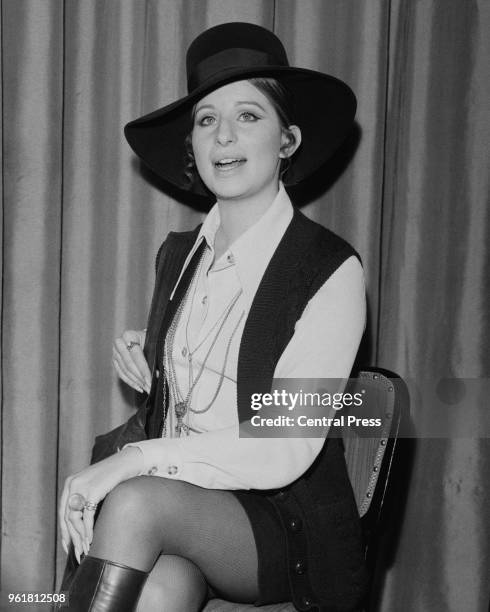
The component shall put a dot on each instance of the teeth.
(222, 162)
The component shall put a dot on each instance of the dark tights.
(186, 536)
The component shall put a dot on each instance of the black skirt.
(270, 540)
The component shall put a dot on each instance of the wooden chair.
(369, 462)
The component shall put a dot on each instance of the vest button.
(300, 567)
(282, 495)
(295, 524)
(306, 601)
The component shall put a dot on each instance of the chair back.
(370, 451)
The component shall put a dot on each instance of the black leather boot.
(103, 586)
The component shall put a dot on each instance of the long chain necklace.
(181, 404)
(166, 414)
(222, 373)
(186, 351)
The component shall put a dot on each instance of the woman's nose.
(225, 132)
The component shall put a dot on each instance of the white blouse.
(324, 345)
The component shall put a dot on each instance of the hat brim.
(324, 108)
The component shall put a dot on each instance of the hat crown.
(231, 45)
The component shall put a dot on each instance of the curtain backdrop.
(82, 223)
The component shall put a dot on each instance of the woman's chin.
(237, 188)
(228, 192)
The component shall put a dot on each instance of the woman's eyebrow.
(250, 102)
(203, 106)
(237, 103)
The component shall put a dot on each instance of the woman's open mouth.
(229, 163)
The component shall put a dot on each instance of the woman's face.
(237, 139)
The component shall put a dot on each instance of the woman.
(258, 292)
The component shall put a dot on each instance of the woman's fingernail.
(65, 547)
(77, 556)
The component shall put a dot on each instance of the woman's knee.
(145, 499)
(128, 497)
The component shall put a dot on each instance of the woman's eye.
(206, 120)
(248, 116)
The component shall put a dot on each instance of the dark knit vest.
(318, 511)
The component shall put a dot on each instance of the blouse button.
(230, 258)
(295, 525)
(300, 567)
(157, 373)
(172, 470)
(204, 300)
(152, 470)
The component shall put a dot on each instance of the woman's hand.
(92, 485)
(129, 360)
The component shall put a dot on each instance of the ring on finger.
(76, 502)
(132, 344)
(88, 505)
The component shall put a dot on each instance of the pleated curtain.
(82, 221)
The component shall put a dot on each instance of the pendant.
(180, 412)
(180, 409)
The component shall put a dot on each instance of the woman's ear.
(290, 141)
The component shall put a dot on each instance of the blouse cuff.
(160, 460)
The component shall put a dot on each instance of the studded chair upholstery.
(369, 458)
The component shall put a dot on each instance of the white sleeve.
(324, 345)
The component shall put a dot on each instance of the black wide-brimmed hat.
(324, 106)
